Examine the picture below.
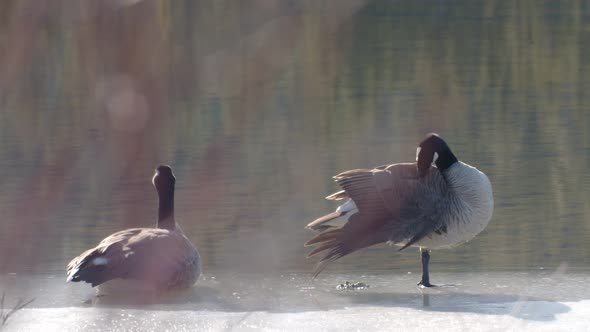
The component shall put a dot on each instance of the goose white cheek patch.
(434, 158)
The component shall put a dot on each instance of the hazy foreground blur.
(256, 104)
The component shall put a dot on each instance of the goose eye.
(418, 152)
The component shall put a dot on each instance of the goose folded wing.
(154, 255)
(394, 204)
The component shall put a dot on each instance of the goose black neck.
(445, 159)
(166, 209)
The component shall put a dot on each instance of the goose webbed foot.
(425, 284)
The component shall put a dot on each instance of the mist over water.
(257, 104)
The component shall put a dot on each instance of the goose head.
(164, 179)
(433, 149)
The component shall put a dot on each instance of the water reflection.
(256, 106)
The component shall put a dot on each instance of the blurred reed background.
(257, 103)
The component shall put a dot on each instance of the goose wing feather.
(396, 201)
(394, 204)
(151, 254)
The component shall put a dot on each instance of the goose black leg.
(425, 282)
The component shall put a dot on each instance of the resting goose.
(141, 259)
(406, 204)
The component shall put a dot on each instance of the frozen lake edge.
(517, 316)
(532, 301)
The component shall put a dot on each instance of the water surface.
(256, 106)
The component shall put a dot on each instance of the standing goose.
(142, 259)
(407, 204)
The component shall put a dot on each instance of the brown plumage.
(162, 258)
(383, 197)
(159, 257)
(405, 204)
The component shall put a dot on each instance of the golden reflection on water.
(256, 106)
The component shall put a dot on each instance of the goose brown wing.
(393, 203)
(151, 254)
(381, 194)
(417, 204)
(396, 201)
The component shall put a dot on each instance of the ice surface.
(515, 316)
(533, 301)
